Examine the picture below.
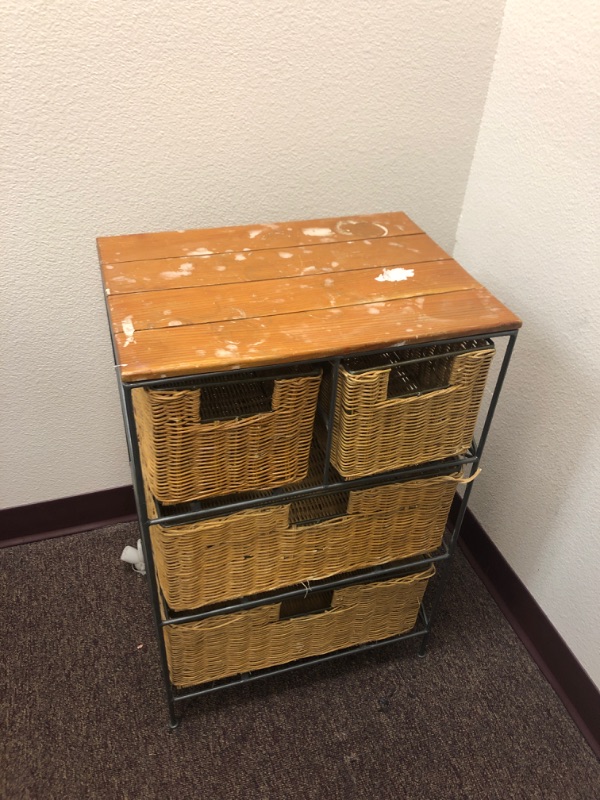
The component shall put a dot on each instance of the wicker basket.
(188, 454)
(273, 634)
(267, 548)
(392, 414)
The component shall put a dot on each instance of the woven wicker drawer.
(391, 415)
(268, 548)
(186, 455)
(262, 637)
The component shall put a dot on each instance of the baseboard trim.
(67, 515)
(557, 663)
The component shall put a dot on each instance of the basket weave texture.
(185, 458)
(259, 550)
(255, 639)
(375, 433)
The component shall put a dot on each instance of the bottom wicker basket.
(222, 646)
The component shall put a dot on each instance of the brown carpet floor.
(84, 714)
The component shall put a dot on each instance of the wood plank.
(174, 307)
(174, 244)
(174, 273)
(190, 349)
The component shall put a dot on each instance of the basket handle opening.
(236, 401)
(313, 511)
(419, 378)
(315, 603)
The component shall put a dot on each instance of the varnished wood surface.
(257, 265)
(244, 238)
(281, 298)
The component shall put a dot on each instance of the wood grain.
(256, 265)
(190, 349)
(174, 307)
(174, 244)
(288, 292)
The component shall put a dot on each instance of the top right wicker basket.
(395, 410)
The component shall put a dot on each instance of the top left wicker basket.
(187, 454)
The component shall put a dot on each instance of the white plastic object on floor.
(135, 557)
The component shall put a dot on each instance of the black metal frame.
(471, 460)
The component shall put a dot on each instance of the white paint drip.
(220, 353)
(185, 270)
(221, 268)
(254, 234)
(373, 310)
(395, 274)
(240, 257)
(174, 322)
(341, 225)
(200, 251)
(124, 279)
(109, 266)
(200, 352)
(383, 228)
(285, 255)
(335, 264)
(306, 270)
(366, 241)
(107, 291)
(317, 231)
(328, 282)
(128, 330)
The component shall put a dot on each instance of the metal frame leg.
(512, 336)
(140, 499)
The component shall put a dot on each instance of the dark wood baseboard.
(557, 663)
(67, 515)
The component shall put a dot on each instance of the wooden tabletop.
(193, 301)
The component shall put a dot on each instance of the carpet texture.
(84, 713)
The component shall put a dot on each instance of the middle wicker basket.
(267, 548)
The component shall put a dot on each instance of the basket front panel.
(372, 437)
(256, 551)
(257, 638)
(186, 459)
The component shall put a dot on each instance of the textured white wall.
(133, 116)
(529, 230)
